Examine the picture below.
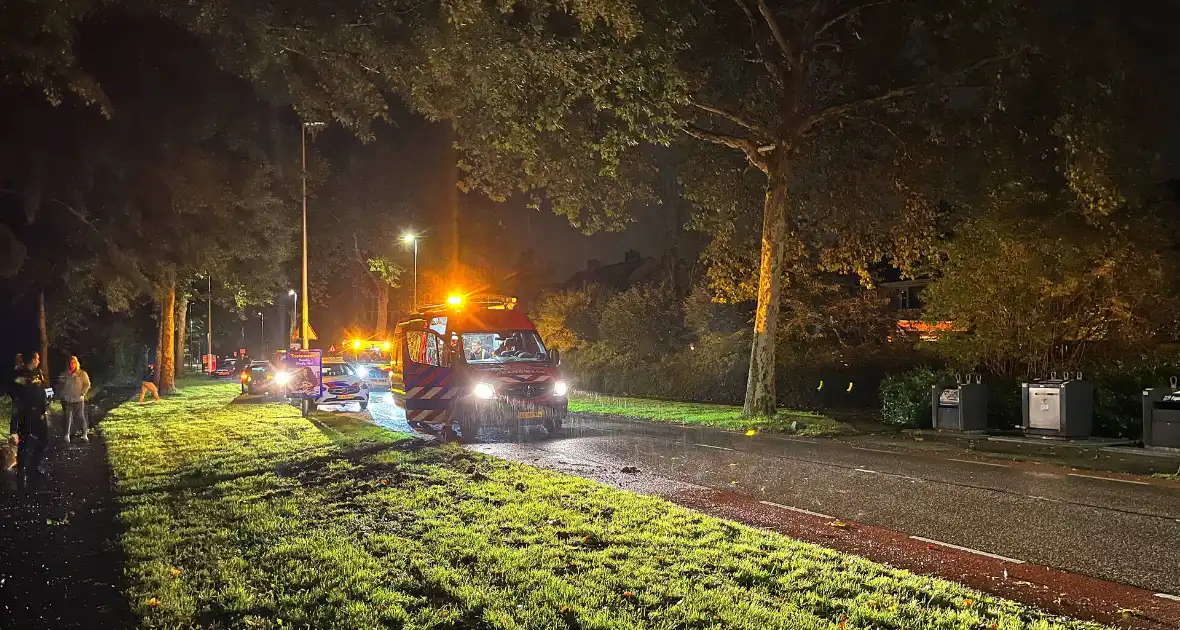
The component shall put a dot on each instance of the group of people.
(29, 425)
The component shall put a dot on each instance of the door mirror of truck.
(555, 355)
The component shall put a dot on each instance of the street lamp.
(294, 314)
(408, 238)
(303, 324)
(263, 335)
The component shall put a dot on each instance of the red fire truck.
(475, 362)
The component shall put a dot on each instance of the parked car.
(257, 378)
(226, 370)
(341, 384)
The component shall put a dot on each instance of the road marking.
(1174, 598)
(720, 448)
(968, 550)
(1138, 483)
(971, 461)
(874, 450)
(866, 470)
(795, 509)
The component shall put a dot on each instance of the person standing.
(31, 430)
(149, 384)
(18, 369)
(75, 384)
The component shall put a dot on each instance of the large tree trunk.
(43, 330)
(382, 310)
(181, 333)
(760, 394)
(158, 373)
(168, 340)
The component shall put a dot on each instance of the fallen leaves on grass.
(176, 572)
(153, 602)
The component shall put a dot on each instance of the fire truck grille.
(526, 390)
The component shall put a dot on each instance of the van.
(475, 362)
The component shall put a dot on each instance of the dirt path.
(61, 565)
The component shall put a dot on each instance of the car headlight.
(560, 388)
(362, 372)
(282, 378)
(484, 391)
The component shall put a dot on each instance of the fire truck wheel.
(447, 435)
(553, 426)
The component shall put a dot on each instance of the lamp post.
(263, 335)
(209, 325)
(408, 238)
(303, 323)
(294, 314)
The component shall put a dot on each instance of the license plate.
(532, 414)
(345, 397)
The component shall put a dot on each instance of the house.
(619, 276)
(905, 297)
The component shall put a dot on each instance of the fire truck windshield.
(503, 347)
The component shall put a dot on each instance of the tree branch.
(772, 68)
(745, 145)
(762, 132)
(844, 109)
(777, 32)
(847, 13)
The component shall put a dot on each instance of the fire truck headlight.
(484, 391)
(282, 378)
(560, 388)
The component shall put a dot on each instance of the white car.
(375, 374)
(342, 385)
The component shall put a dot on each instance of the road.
(1122, 531)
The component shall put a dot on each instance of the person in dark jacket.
(14, 391)
(149, 384)
(32, 427)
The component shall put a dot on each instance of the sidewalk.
(61, 565)
(1097, 454)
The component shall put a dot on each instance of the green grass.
(251, 517)
(722, 416)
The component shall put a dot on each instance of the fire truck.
(474, 362)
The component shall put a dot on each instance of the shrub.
(905, 397)
(569, 319)
(645, 321)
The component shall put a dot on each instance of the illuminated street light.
(303, 324)
(294, 296)
(407, 238)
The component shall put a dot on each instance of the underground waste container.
(1058, 407)
(962, 407)
(1161, 416)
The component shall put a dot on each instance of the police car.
(342, 384)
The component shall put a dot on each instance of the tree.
(568, 320)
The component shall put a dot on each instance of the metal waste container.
(962, 407)
(1161, 416)
(1059, 407)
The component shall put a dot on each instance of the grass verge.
(722, 416)
(247, 516)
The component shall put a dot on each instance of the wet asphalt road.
(1115, 530)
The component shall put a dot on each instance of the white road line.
(866, 470)
(1174, 598)
(874, 450)
(720, 448)
(1138, 483)
(968, 550)
(795, 509)
(971, 461)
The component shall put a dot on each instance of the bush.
(905, 397)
